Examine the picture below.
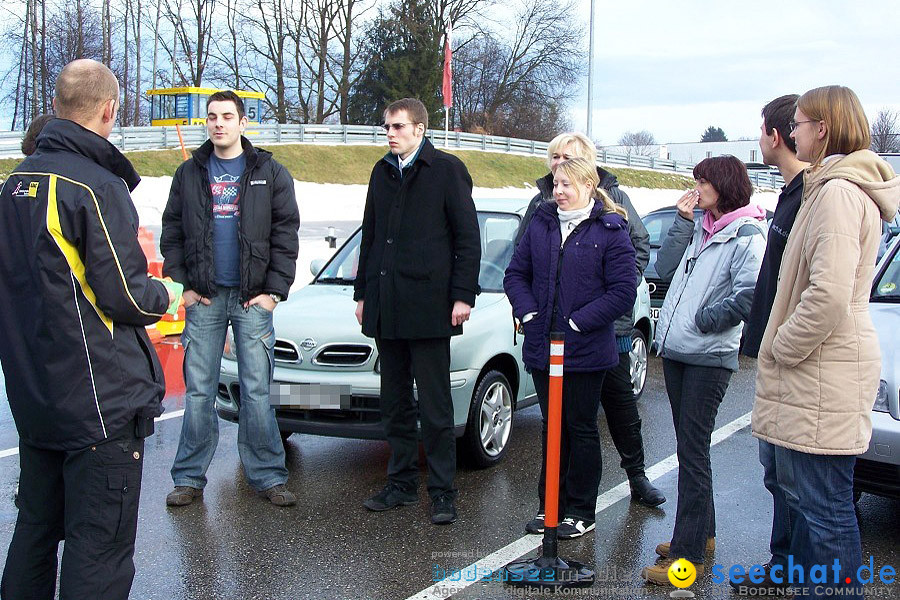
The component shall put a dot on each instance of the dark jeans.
(622, 416)
(819, 489)
(428, 363)
(579, 454)
(89, 498)
(695, 394)
(783, 516)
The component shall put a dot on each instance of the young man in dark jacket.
(83, 380)
(229, 234)
(416, 285)
(617, 396)
(778, 149)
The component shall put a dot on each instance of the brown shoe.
(663, 549)
(280, 495)
(658, 574)
(183, 495)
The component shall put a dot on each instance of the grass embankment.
(352, 164)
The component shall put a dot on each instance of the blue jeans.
(819, 489)
(259, 443)
(695, 394)
(782, 515)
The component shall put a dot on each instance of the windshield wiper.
(335, 280)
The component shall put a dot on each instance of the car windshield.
(498, 230)
(657, 224)
(887, 286)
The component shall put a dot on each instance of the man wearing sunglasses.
(418, 277)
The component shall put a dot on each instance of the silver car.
(327, 378)
(878, 469)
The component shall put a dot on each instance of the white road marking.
(497, 560)
(164, 417)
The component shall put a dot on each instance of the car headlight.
(881, 398)
(230, 352)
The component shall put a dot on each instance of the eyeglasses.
(794, 124)
(395, 126)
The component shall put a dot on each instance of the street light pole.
(590, 91)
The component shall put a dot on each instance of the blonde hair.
(581, 143)
(846, 126)
(82, 88)
(581, 171)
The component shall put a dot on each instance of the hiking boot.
(573, 527)
(663, 549)
(645, 492)
(183, 495)
(280, 495)
(658, 574)
(390, 497)
(443, 512)
(536, 525)
(766, 583)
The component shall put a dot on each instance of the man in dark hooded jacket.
(83, 380)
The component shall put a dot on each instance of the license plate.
(310, 396)
(654, 313)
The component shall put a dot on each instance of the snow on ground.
(321, 203)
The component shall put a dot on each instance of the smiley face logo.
(682, 573)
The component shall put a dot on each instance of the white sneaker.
(573, 527)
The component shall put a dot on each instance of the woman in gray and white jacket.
(713, 264)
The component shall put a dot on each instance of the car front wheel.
(490, 421)
(638, 358)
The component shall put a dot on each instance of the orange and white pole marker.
(554, 429)
(184, 153)
(548, 570)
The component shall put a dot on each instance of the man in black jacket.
(229, 234)
(617, 395)
(778, 149)
(416, 285)
(83, 380)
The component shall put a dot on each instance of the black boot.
(644, 492)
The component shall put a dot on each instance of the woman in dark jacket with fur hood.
(573, 271)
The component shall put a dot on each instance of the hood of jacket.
(68, 136)
(864, 168)
(545, 183)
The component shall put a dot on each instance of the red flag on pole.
(447, 88)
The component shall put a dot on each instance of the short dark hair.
(728, 175)
(778, 114)
(413, 107)
(29, 141)
(227, 96)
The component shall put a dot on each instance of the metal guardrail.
(158, 138)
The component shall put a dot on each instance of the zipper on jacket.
(556, 282)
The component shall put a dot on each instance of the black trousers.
(428, 363)
(622, 417)
(695, 394)
(579, 454)
(89, 498)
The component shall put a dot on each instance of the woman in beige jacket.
(819, 362)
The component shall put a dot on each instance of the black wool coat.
(420, 249)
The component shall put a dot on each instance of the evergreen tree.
(713, 134)
(403, 60)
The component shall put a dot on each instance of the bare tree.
(638, 142)
(345, 71)
(495, 74)
(885, 133)
(192, 37)
(267, 37)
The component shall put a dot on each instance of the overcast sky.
(674, 68)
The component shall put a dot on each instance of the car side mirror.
(316, 266)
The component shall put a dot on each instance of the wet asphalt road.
(234, 544)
